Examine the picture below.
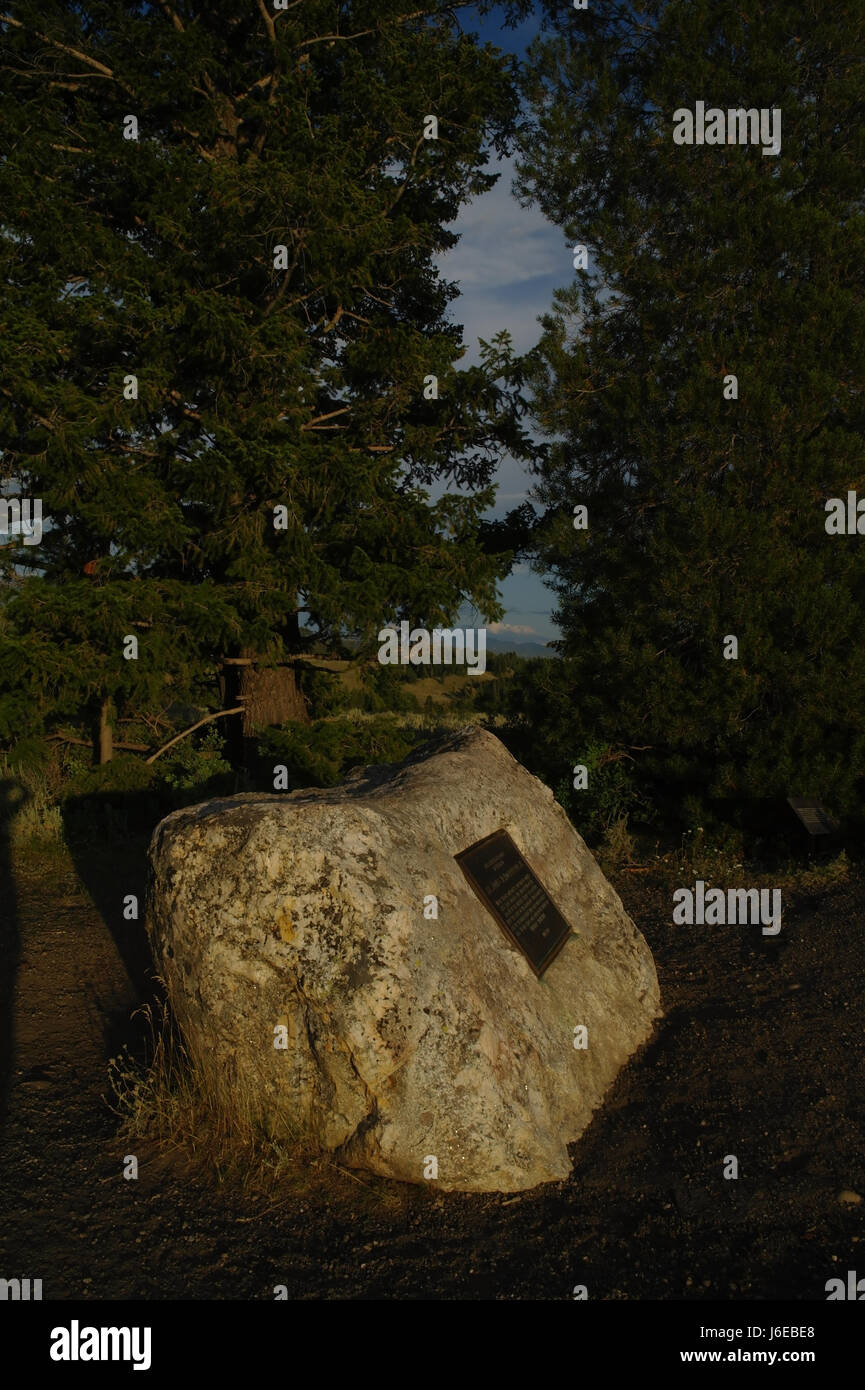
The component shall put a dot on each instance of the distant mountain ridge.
(494, 644)
(503, 644)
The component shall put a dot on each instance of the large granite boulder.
(317, 993)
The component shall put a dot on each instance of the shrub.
(193, 765)
(386, 689)
(610, 797)
(324, 691)
(322, 754)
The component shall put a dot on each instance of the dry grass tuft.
(34, 816)
(165, 1101)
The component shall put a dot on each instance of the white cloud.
(507, 263)
(517, 629)
(501, 243)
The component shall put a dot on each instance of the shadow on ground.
(13, 798)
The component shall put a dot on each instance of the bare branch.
(262, 82)
(65, 48)
(173, 15)
(411, 164)
(310, 424)
(86, 743)
(369, 294)
(334, 38)
(284, 286)
(220, 714)
(361, 33)
(268, 21)
(335, 320)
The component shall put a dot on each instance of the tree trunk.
(229, 687)
(103, 737)
(269, 695)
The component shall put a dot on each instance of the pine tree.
(706, 512)
(221, 323)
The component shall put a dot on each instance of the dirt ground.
(759, 1055)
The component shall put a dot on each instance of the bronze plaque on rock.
(815, 820)
(517, 899)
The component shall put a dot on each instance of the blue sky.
(507, 263)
